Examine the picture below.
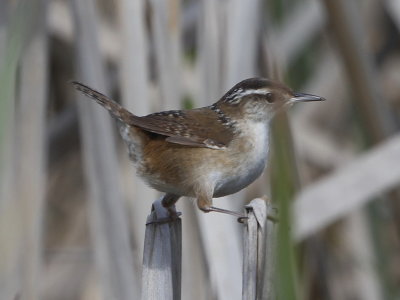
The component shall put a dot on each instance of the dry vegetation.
(72, 212)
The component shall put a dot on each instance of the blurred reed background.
(72, 212)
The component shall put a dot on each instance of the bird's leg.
(204, 203)
(168, 202)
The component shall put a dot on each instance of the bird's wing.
(195, 128)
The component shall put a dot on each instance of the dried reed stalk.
(108, 220)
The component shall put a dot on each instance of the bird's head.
(259, 99)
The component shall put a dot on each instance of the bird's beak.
(301, 97)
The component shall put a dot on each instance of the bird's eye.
(269, 97)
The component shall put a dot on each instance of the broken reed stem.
(162, 256)
(258, 251)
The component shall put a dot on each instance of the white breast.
(249, 160)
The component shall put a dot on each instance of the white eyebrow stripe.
(248, 92)
(236, 95)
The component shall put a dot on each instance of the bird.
(206, 152)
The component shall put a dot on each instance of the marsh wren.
(206, 152)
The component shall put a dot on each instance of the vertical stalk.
(108, 219)
(284, 183)
(30, 151)
(16, 21)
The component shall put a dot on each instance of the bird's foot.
(161, 214)
(241, 217)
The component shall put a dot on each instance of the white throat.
(248, 167)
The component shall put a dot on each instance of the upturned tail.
(113, 107)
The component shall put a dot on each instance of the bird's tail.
(113, 107)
